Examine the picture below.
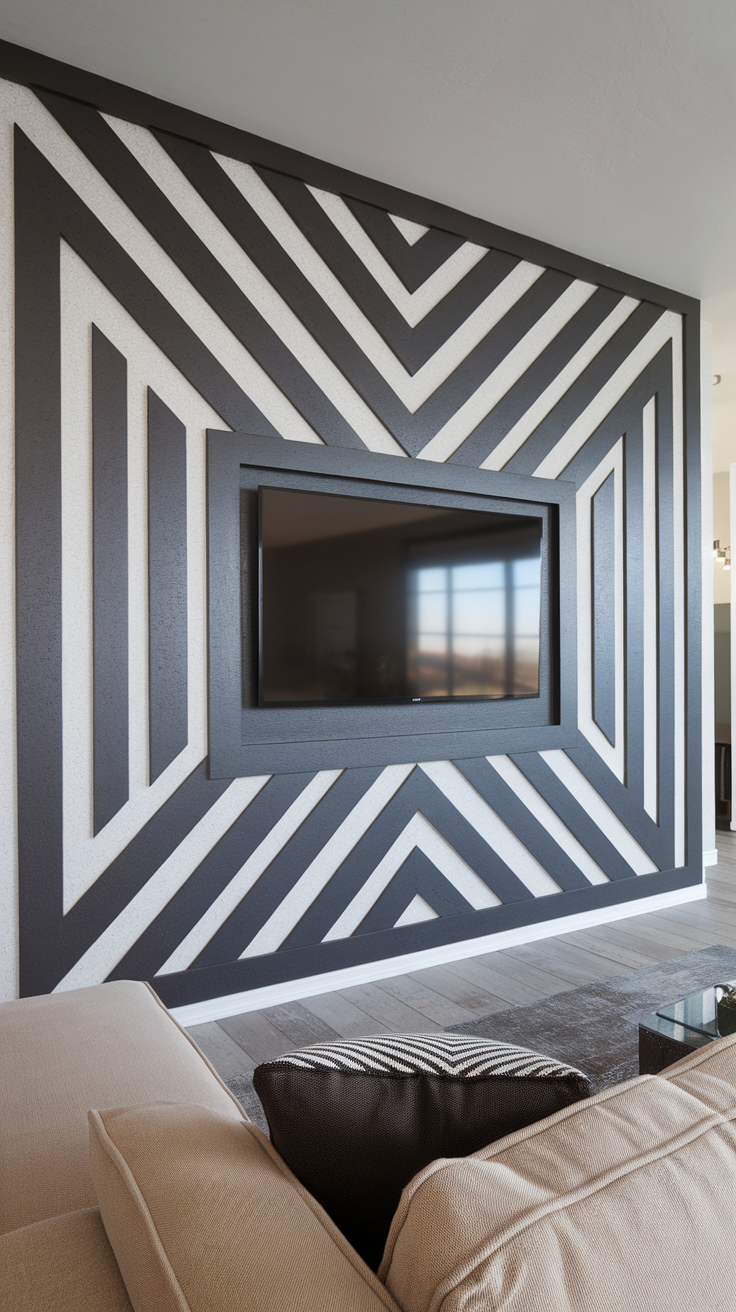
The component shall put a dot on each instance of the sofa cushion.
(65, 1264)
(622, 1201)
(202, 1214)
(355, 1120)
(66, 1052)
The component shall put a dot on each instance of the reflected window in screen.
(474, 629)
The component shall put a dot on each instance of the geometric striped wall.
(164, 287)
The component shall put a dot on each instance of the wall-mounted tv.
(375, 601)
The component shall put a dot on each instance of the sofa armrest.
(202, 1213)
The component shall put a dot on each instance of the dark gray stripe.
(603, 608)
(288, 866)
(418, 793)
(582, 392)
(625, 805)
(573, 815)
(417, 874)
(167, 930)
(493, 429)
(167, 584)
(110, 575)
(521, 822)
(38, 576)
(412, 264)
(413, 346)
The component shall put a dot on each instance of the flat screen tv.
(369, 601)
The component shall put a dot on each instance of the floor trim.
(711, 858)
(234, 1004)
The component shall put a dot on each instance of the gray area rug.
(596, 1027)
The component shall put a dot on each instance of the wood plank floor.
(439, 996)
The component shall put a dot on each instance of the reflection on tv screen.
(366, 600)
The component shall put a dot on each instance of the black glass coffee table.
(678, 1028)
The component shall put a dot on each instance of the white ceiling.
(607, 129)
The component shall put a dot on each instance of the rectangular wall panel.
(181, 276)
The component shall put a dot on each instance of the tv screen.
(372, 601)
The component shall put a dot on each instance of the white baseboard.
(711, 858)
(196, 1013)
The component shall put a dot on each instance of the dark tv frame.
(247, 739)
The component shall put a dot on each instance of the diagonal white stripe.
(410, 231)
(258, 290)
(318, 874)
(467, 417)
(603, 402)
(135, 239)
(412, 389)
(599, 811)
(107, 950)
(234, 892)
(412, 305)
(547, 400)
(542, 811)
(418, 833)
(490, 826)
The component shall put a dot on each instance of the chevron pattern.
(448, 1055)
(164, 289)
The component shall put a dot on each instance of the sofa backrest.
(624, 1200)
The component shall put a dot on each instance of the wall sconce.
(722, 553)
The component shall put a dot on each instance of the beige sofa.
(130, 1177)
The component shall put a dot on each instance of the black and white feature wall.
(164, 280)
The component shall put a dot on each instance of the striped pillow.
(356, 1119)
(453, 1056)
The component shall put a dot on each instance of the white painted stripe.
(491, 827)
(412, 305)
(234, 892)
(650, 571)
(258, 290)
(417, 911)
(8, 812)
(410, 231)
(542, 811)
(320, 871)
(137, 242)
(599, 811)
(612, 753)
(111, 946)
(509, 371)
(547, 400)
(233, 1004)
(604, 400)
(417, 833)
(412, 389)
(84, 300)
(678, 559)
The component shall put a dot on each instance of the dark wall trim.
(18, 64)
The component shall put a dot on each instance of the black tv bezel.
(498, 506)
(247, 739)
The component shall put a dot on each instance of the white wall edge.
(711, 858)
(233, 1004)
